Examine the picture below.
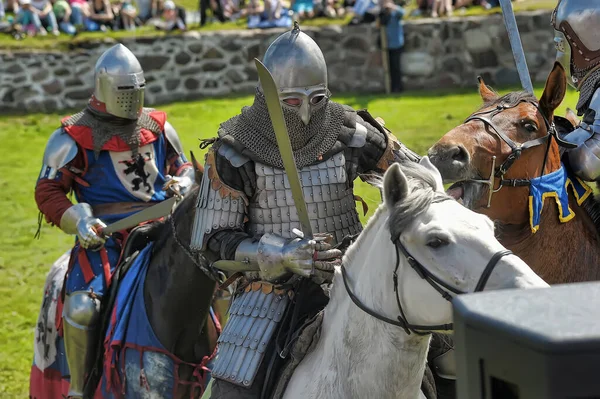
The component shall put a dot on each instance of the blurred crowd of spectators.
(43, 17)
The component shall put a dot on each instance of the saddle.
(137, 240)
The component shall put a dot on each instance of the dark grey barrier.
(521, 344)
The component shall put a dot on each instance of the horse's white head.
(452, 242)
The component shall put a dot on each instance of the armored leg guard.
(81, 316)
(443, 365)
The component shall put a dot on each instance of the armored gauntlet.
(80, 220)
(276, 256)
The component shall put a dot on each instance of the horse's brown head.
(506, 141)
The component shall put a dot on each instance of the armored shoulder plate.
(173, 138)
(232, 155)
(60, 150)
(219, 206)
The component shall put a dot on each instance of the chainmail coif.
(587, 91)
(254, 130)
(106, 126)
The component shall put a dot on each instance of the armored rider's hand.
(80, 220)
(312, 258)
(178, 184)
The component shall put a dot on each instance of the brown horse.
(519, 132)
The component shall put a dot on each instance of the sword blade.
(154, 212)
(515, 44)
(271, 93)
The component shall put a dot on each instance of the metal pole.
(515, 43)
(385, 58)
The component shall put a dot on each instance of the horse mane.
(422, 193)
(159, 229)
(511, 99)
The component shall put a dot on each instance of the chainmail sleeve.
(222, 205)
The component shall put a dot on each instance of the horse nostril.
(460, 154)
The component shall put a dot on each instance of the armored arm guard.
(61, 163)
(180, 167)
(585, 159)
(219, 208)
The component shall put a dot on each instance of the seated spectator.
(1, 10)
(125, 15)
(441, 7)
(66, 16)
(80, 11)
(364, 11)
(333, 9)
(28, 20)
(11, 6)
(101, 17)
(169, 21)
(231, 9)
(43, 9)
(303, 8)
(214, 6)
(144, 9)
(273, 9)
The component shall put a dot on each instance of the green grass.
(64, 42)
(418, 119)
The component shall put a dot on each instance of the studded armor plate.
(329, 200)
(253, 319)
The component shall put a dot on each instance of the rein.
(516, 148)
(443, 288)
(210, 272)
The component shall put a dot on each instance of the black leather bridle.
(516, 148)
(439, 285)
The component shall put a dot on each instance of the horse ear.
(554, 91)
(395, 185)
(199, 169)
(487, 95)
(434, 171)
(572, 117)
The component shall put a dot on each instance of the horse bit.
(443, 288)
(516, 149)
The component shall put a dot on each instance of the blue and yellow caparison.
(554, 185)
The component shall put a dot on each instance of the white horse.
(359, 355)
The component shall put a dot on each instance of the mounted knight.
(576, 26)
(247, 218)
(118, 158)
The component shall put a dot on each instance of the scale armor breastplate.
(327, 192)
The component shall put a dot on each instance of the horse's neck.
(558, 252)
(358, 355)
(177, 293)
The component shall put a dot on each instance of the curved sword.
(269, 88)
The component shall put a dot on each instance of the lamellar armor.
(577, 38)
(246, 212)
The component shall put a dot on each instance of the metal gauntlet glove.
(277, 256)
(80, 220)
(180, 184)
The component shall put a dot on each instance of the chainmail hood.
(587, 90)
(105, 126)
(254, 131)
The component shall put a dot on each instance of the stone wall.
(438, 54)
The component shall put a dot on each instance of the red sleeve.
(51, 194)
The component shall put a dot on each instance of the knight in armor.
(117, 157)
(246, 212)
(576, 25)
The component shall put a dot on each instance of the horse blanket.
(136, 364)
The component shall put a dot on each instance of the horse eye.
(437, 243)
(530, 127)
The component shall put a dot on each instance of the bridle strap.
(487, 272)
